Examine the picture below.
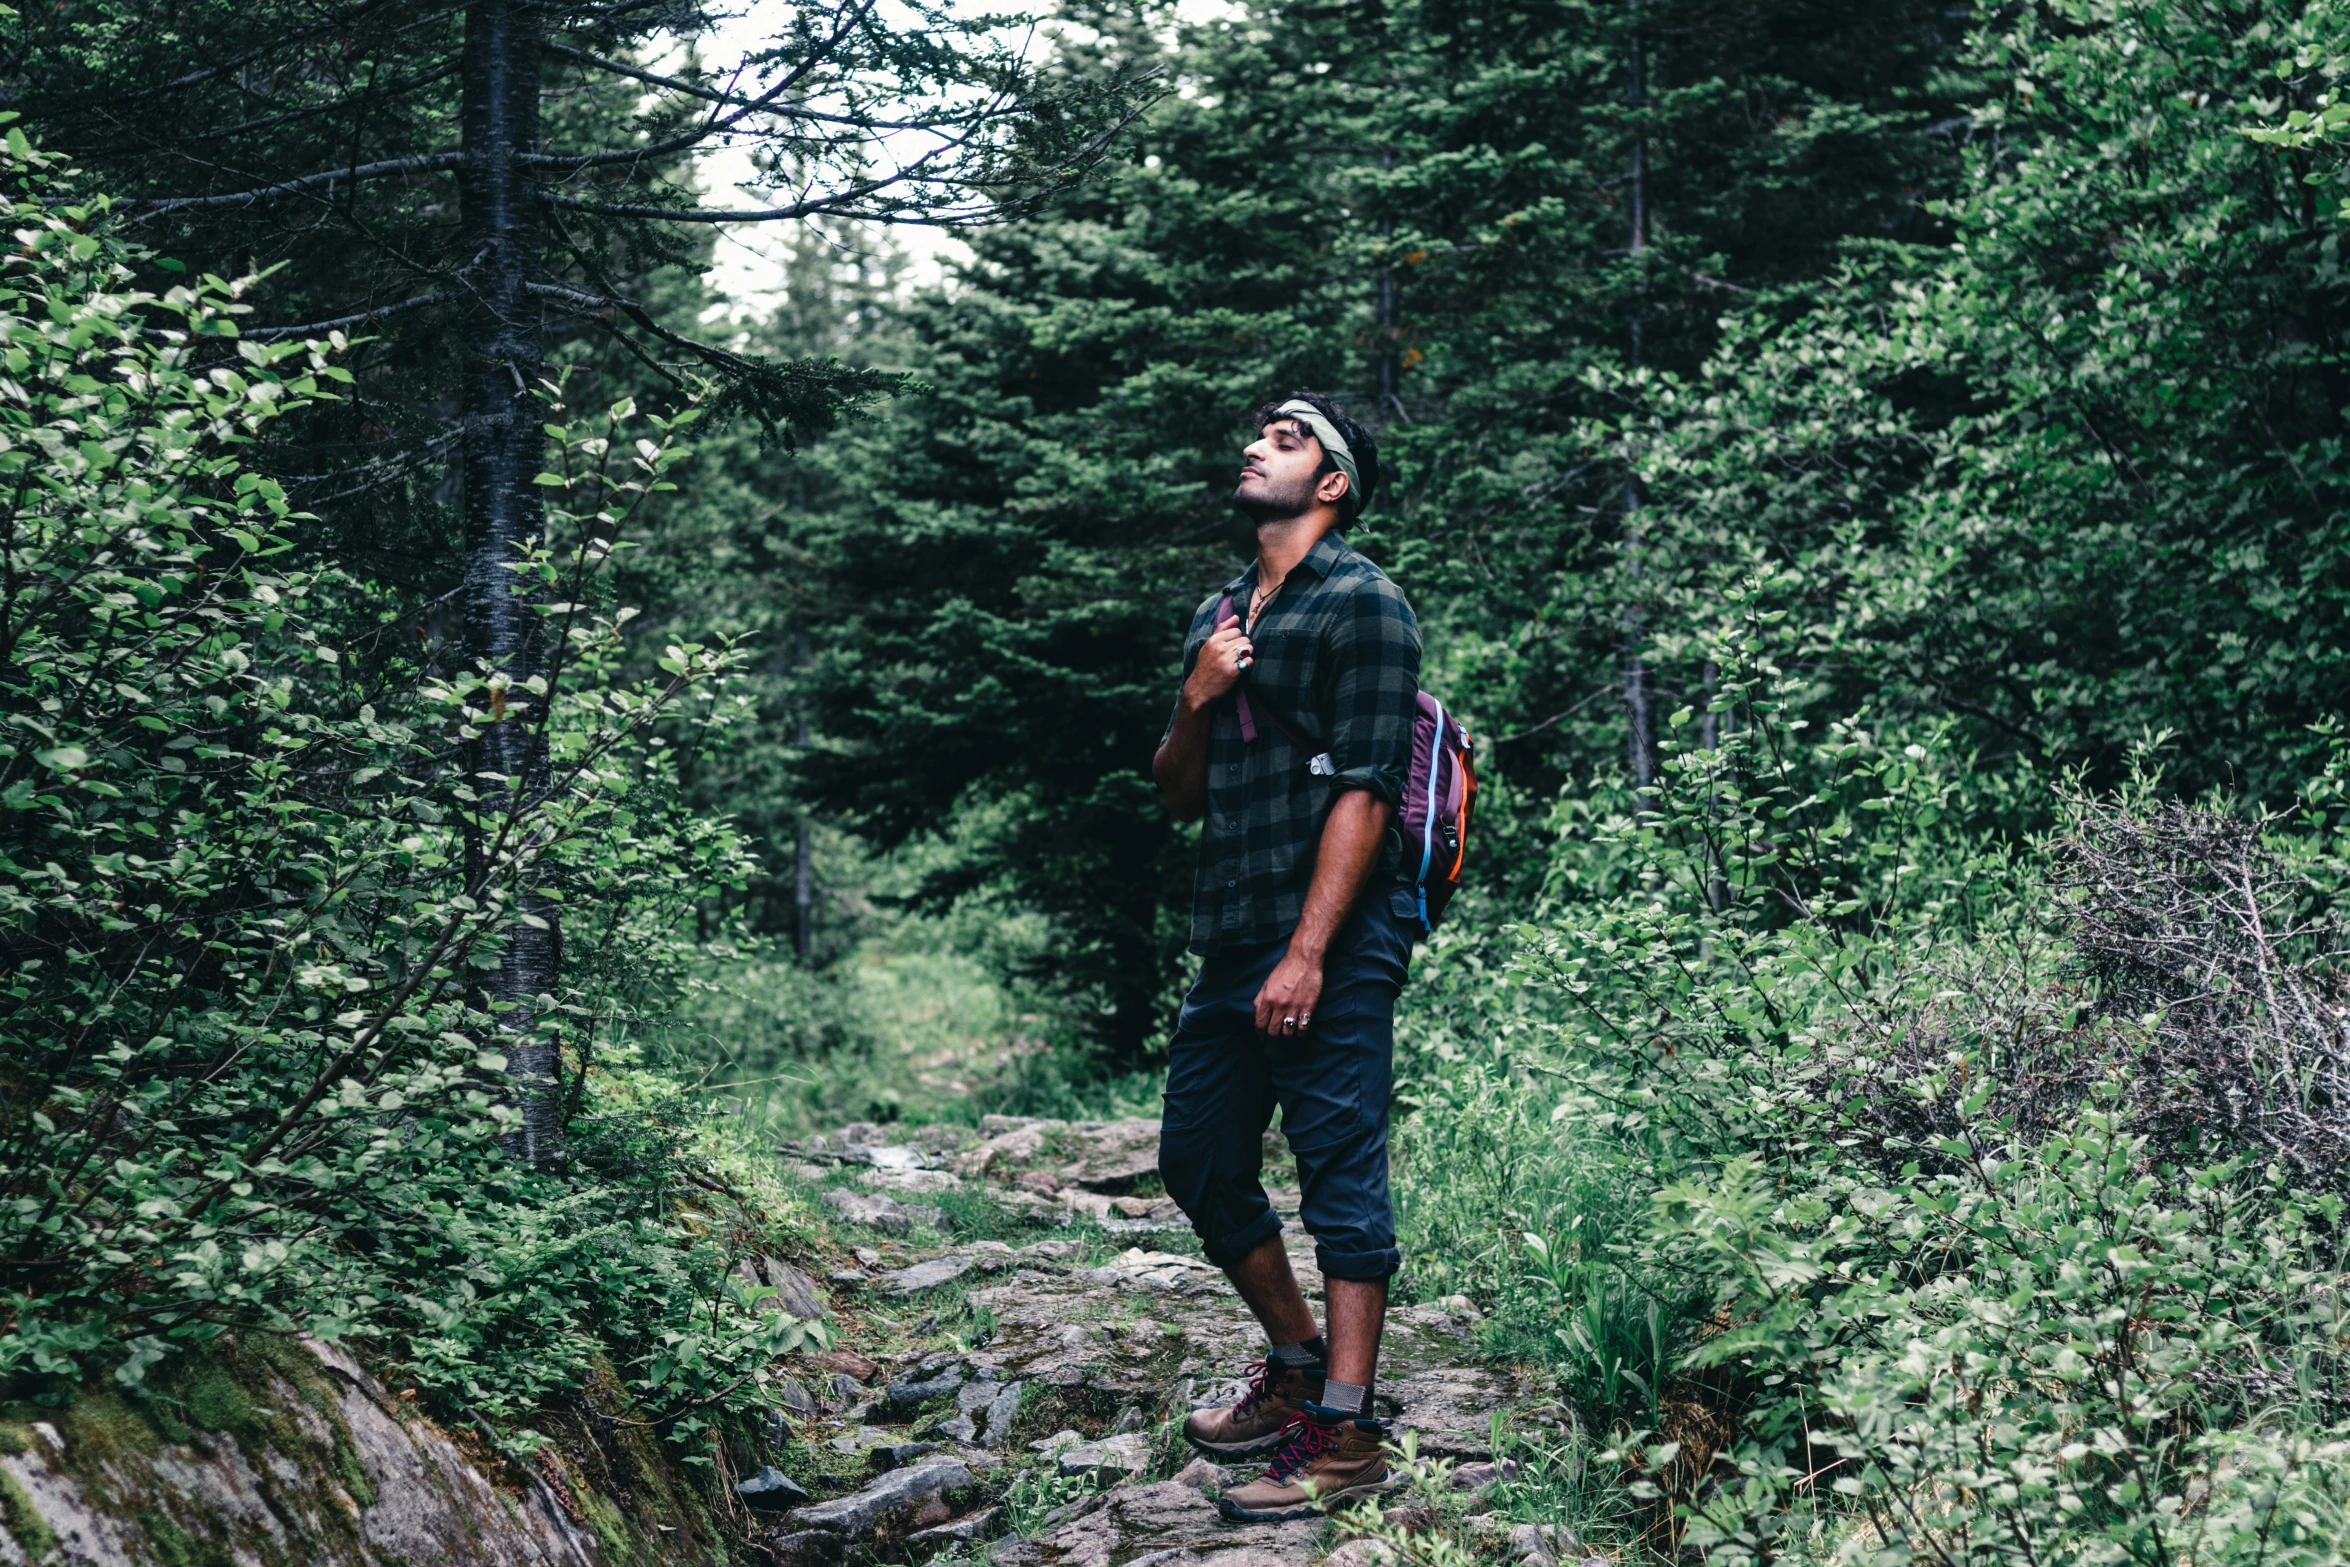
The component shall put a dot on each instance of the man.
(1291, 736)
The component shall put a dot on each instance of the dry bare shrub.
(2183, 919)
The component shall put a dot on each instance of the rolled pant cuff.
(1358, 1267)
(1226, 1250)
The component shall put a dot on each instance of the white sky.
(745, 268)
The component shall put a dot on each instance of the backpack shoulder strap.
(1225, 615)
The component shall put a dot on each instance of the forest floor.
(1000, 1396)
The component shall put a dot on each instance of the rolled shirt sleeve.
(1374, 665)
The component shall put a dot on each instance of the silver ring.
(1289, 1022)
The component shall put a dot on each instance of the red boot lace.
(1304, 1439)
(1262, 1375)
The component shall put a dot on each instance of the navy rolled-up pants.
(1332, 1084)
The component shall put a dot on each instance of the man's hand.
(1351, 840)
(1285, 1007)
(1221, 659)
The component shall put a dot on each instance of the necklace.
(1262, 597)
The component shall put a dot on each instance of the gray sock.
(1307, 1354)
(1346, 1398)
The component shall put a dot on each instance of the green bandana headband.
(1307, 414)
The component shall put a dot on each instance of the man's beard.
(1273, 506)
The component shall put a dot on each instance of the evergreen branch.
(271, 334)
(850, 20)
(161, 206)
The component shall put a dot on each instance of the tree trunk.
(1639, 739)
(502, 452)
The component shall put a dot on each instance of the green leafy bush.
(1897, 1199)
(248, 1077)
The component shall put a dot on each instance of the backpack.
(1440, 790)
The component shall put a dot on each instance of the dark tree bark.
(1639, 737)
(502, 446)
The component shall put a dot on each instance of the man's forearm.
(1352, 837)
(1181, 766)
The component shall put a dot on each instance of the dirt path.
(1023, 1394)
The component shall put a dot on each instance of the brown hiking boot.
(1326, 1460)
(1277, 1392)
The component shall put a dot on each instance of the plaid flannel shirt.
(1338, 657)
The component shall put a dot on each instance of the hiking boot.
(1326, 1460)
(1277, 1391)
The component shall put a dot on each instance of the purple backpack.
(1439, 791)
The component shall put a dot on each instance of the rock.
(1130, 1418)
(1462, 1306)
(848, 1278)
(898, 1455)
(1157, 1270)
(909, 1180)
(1121, 1457)
(806, 1548)
(1053, 1251)
(899, 1496)
(1002, 1151)
(808, 1172)
(997, 1125)
(1201, 1475)
(1002, 1410)
(794, 1396)
(929, 1275)
(1042, 1182)
(1029, 1207)
(1163, 1525)
(986, 1524)
(879, 1213)
(857, 1134)
(1141, 1226)
(858, 1440)
(1111, 1156)
(960, 1427)
(908, 1391)
(847, 1362)
(1476, 1477)
(1132, 1207)
(867, 1257)
(1530, 1543)
(882, 1213)
(845, 1390)
(1092, 1204)
(795, 1292)
(1055, 1442)
(1360, 1553)
(771, 1488)
(1451, 1407)
(900, 1156)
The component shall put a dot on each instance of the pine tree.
(463, 181)
(1419, 208)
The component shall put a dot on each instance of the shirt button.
(1231, 884)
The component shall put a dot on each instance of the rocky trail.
(1017, 1400)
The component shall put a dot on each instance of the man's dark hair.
(1361, 442)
